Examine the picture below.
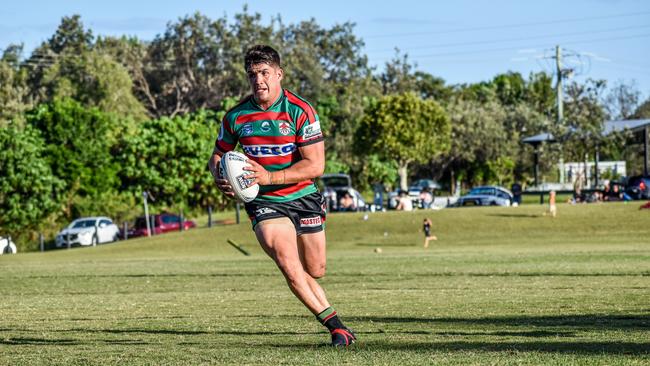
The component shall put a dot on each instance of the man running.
(281, 136)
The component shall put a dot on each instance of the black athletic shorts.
(306, 213)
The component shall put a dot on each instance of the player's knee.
(317, 271)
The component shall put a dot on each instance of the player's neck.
(264, 105)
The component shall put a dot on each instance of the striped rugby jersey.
(271, 137)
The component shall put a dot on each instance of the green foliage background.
(88, 123)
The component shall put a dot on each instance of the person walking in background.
(426, 227)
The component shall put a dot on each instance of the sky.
(461, 41)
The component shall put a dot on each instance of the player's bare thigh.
(312, 248)
(276, 235)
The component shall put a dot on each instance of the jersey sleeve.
(308, 130)
(227, 139)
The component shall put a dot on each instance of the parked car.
(7, 246)
(486, 196)
(160, 224)
(337, 189)
(638, 187)
(88, 231)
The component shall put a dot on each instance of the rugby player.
(281, 136)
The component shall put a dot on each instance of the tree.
(14, 92)
(622, 100)
(78, 142)
(479, 137)
(584, 120)
(643, 111)
(69, 65)
(398, 75)
(167, 157)
(510, 88)
(406, 129)
(27, 187)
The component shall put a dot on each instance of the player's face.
(265, 83)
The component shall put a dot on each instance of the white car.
(7, 246)
(88, 231)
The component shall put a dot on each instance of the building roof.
(542, 137)
(633, 125)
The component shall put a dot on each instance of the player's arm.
(311, 166)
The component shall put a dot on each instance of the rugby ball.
(232, 169)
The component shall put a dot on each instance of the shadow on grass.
(190, 332)
(39, 341)
(379, 244)
(514, 215)
(505, 333)
(586, 321)
(546, 347)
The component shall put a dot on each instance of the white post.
(146, 212)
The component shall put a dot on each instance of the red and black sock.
(330, 319)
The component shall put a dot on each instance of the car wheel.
(116, 237)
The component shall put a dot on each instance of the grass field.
(500, 286)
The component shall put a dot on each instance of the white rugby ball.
(232, 169)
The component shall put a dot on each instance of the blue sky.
(461, 41)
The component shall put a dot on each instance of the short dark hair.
(261, 54)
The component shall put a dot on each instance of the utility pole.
(560, 107)
(558, 64)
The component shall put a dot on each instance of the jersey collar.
(277, 101)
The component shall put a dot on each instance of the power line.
(507, 26)
(519, 47)
(516, 39)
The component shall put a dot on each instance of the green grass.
(500, 286)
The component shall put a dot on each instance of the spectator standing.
(516, 194)
(426, 198)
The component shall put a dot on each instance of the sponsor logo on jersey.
(247, 130)
(264, 211)
(311, 130)
(311, 221)
(265, 151)
(285, 129)
(266, 126)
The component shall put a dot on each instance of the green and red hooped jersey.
(271, 137)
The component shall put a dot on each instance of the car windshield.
(83, 223)
(335, 182)
(482, 191)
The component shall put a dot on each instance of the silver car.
(88, 231)
(486, 196)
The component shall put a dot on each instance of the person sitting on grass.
(347, 203)
(405, 203)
